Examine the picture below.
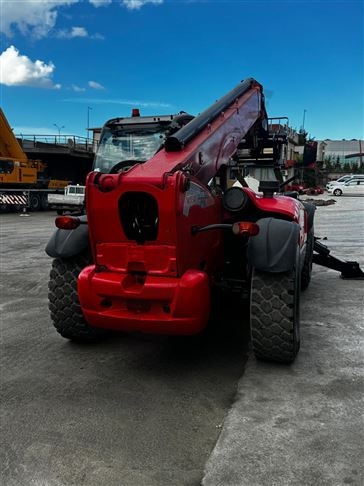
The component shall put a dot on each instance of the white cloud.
(72, 33)
(31, 17)
(78, 89)
(115, 101)
(38, 18)
(97, 36)
(18, 70)
(100, 3)
(137, 4)
(95, 85)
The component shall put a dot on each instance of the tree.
(337, 165)
(309, 177)
(347, 167)
(302, 136)
(328, 163)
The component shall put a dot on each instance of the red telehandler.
(164, 228)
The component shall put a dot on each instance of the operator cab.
(6, 166)
(130, 140)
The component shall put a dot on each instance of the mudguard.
(274, 249)
(310, 210)
(68, 243)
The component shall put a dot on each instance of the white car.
(343, 179)
(354, 187)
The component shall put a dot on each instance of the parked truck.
(72, 199)
(165, 230)
(24, 182)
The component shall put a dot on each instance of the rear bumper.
(163, 305)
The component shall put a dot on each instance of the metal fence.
(65, 141)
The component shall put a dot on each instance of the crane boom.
(9, 145)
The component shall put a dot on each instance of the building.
(341, 151)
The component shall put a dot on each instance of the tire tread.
(63, 303)
(272, 317)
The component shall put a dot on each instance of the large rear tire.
(64, 305)
(275, 315)
(34, 202)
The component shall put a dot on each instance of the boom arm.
(9, 146)
(208, 141)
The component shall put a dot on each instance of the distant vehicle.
(296, 187)
(73, 199)
(301, 189)
(23, 182)
(354, 187)
(343, 179)
(314, 191)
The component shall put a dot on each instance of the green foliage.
(346, 167)
(302, 137)
(309, 177)
(332, 164)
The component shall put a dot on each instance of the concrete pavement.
(135, 412)
(129, 411)
(302, 425)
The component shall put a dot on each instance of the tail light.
(245, 229)
(67, 222)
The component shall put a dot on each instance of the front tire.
(275, 315)
(64, 305)
(338, 192)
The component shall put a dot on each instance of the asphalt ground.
(145, 411)
(303, 425)
(131, 411)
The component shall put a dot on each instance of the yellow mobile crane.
(23, 181)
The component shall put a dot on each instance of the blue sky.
(73, 62)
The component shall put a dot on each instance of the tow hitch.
(348, 269)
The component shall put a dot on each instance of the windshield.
(6, 166)
(136, 142)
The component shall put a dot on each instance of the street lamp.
(59, 130)
(303, 121)
(303, 140)
(88, 119)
